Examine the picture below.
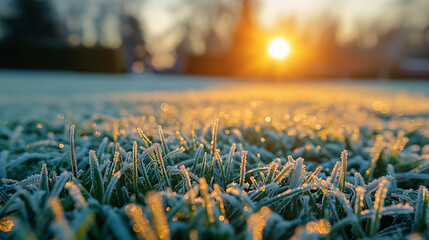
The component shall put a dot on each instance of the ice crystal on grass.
(72, 152)
(380, 196)
(96, 179)
(267, 168)
(421, 215)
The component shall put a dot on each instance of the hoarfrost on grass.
(233, 164)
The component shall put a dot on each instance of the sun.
(278, 48)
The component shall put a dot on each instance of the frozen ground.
(227, 159)
(30, 86)
(17, 87)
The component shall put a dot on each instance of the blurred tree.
(197, 27)
(32, 24)
(133, 45)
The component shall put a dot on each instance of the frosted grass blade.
(72, 152)
(243, 167)
(96, 179)
(44, 180)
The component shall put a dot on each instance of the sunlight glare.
(278, 48)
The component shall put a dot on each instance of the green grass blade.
(198, 155)
(380, 196)
(161, 137)
(96, 179)
(295, 180)
(204, 163)
(161, 165)
(243, 167)
(82, 224)
(72, 152)
(109, 190)
(59, 184)
(115, 223)
(172, 154)
(229, 162)
(44, 180)
(135, 166)
(146, 140)
(421, 211)
(101, 148)
(113, 165)
(343, 170)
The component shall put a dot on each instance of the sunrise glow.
(278, 48)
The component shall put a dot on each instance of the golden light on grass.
(6, 224)
(257, 221)
(160, 223)
(279, 48)
(141, 224)
(321, 226)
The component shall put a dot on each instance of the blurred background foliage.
(328, 38)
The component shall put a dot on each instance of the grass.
(218, 164)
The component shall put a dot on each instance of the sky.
(356, 18)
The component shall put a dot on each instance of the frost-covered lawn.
(118, 157)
